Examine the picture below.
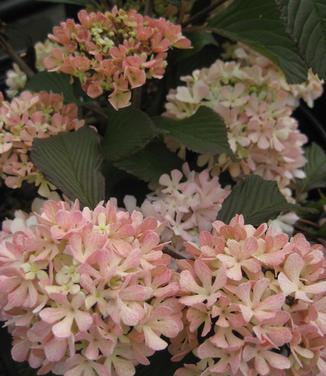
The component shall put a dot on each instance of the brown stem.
(322, 241)
(171, 252)
(148, 8)
(96, 109)
(181, 12)
(306, 222)
(7, 47)
(203, 12)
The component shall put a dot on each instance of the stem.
(7, 47)
(309, 223)
(181, 12)
(203, 12)
(148, 8)
(96, 109)
(176, 255)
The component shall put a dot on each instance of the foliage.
(256, 199)
(290, 33)
(72, 162)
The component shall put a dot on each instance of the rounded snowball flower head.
(86, 292)
(29, 116)
(255, 303)
(185, 203)
(113, 52)
(256, 103)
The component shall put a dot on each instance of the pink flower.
(256, 103)
(238, 256)
(265, 360)
(26, 117)
(87, 292)
(113, 52)
(254, 305)
(185, 203)
(64, 317)
(208, 290)
(291, 281)
(269, 320)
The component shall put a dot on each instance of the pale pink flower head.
(256, 103)
(185, 203)
(26, 117)
(255, 301)
(113, 52)
(86, 292)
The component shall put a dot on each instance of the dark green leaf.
(128, 131)
(54, 82)
(305, 22)
(72, 162)
(150, 163)
(199, 40)
(315, 169)
(203, 132)
(258, 23)
(257, 199)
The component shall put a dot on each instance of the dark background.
(28, 21)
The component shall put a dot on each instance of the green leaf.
(199, 40)
(82, 3)
(55, 82)
(150, 163)
(305, 22)
(258, 23)
(203, 132)
(72, 162)
(257, 199)
(128, 131)
(315, 169)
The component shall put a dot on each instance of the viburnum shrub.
(162, 184)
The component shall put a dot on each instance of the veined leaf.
(258, 23)
(315, 169)
(305, 22)
(203, 132)
(150, 163)
(72, 162)
(128, 131)
(54, 82)
(257, 199)
(199, 40)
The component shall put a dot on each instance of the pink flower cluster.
(185, 203)
(113, 52)
(86, 292)
(29, 116)
(256, 103)
(256, 303)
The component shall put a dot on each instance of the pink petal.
(84, 320)
(153, 340)
(52, 315)
(55, 350)
(63, 328)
